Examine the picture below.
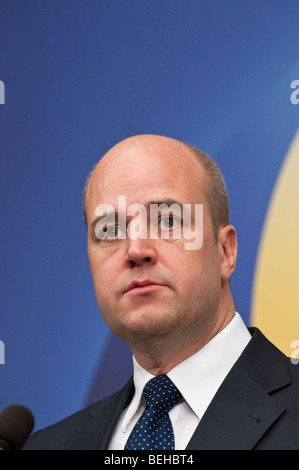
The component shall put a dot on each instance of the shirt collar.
(141, 376)
(199, 376)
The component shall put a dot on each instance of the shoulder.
(276, 373)
(86, 429)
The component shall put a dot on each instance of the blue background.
(80, 76)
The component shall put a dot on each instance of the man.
(172, 304)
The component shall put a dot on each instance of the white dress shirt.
(197, 378)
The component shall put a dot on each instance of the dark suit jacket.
(256, 407)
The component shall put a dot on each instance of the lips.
(143, 286)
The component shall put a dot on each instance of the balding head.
(216, 191)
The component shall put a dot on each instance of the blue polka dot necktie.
(153, 430)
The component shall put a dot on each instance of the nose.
(141, 251)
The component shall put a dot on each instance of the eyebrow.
(112, 216)
(168, 202)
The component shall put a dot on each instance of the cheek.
(185, 269)
(196, 270)
(103, 271)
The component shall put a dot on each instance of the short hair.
(216, 192)
(85, 191)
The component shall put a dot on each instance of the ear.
(227, 242)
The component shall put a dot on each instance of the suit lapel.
(239, 415)
(104, 415)
(243, 410)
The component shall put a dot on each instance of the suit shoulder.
(84, 429)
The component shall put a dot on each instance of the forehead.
(145, 170)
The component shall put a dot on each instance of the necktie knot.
(160, 393)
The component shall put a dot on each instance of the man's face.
(182, 293)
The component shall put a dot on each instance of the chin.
(147, 326)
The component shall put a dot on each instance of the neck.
(159, 355)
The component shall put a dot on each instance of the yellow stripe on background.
(275, 301)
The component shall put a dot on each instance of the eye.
(169, 222)
(109, 232)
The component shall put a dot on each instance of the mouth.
(143, 287)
